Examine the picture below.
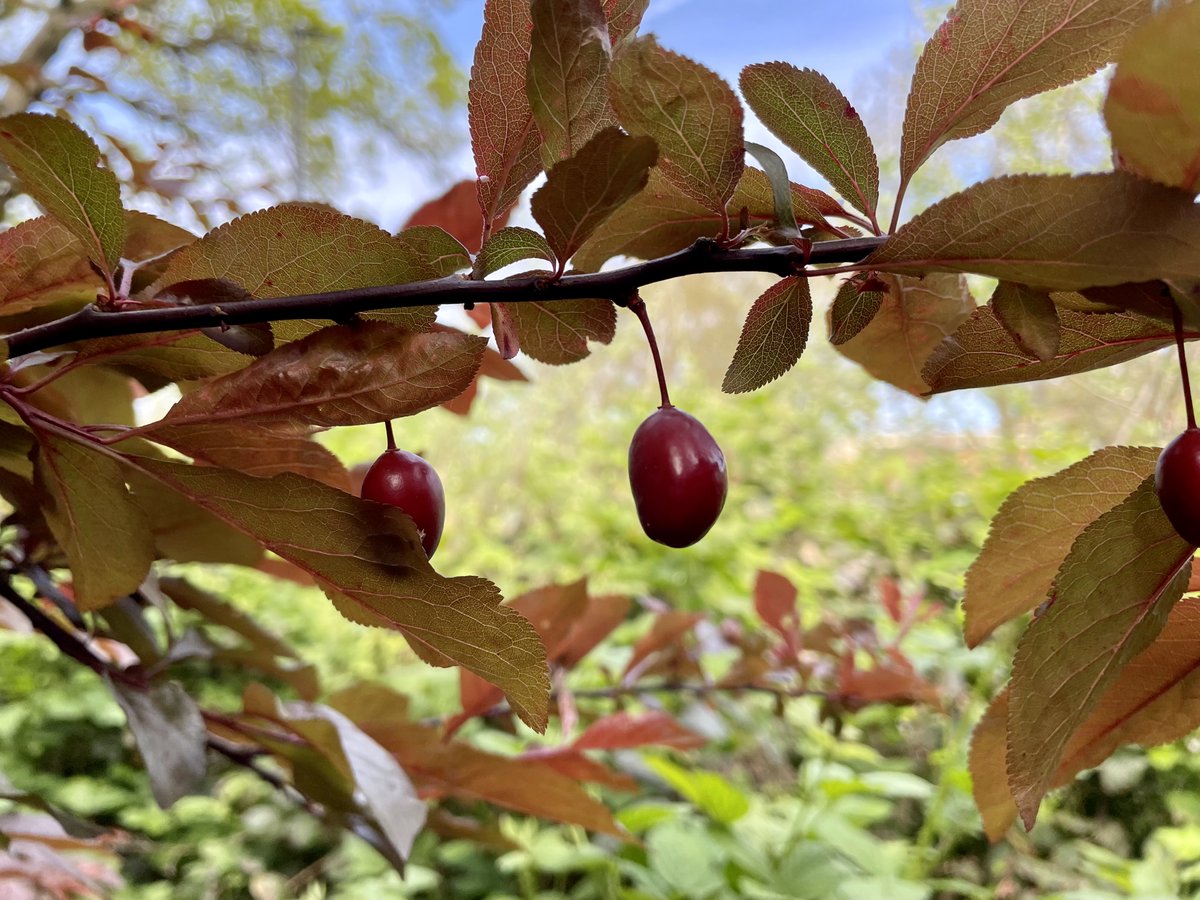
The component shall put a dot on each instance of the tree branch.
(618, 285)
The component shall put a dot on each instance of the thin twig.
(703, 256)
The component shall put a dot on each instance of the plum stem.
(638, 305)
(391, 435)
(1177, 317)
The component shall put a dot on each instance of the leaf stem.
(1177, 318)
(638, 306)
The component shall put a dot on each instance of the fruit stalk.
(638, 305)
(1177, 317)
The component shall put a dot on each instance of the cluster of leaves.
(644, 153)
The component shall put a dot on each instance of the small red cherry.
(677, 473)
(403, 479)
(1177, 482)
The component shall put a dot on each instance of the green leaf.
(170, 736)
(693, 116)
(580, 193)
(716, 797)
(511, 245)
(342, 375)
(367, 557)
(807, 112)
(853, 309)
(662, 219)
(60, 166)
(504, 138)
(982, 353)
(568, 75)
(1060, 232)
(298, 249)
(1111, 599)
(988, 54)
(781, 188)
(1031, 534)
(914, 318)
(439, 252)
(558, 333)
(1030, 318)
(170, 356)
(1153, 104)
(102, 531)
(773, 337)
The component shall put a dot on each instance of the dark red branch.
(619, 284)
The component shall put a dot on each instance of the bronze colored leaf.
(504, 137)
(693, 116)
(367, 557)
(1112, 596)
(301, 249)
(568, 75)
(853, 309)
(457, 212)
(915, 317)
(558, 333)
(669, 628)
(988, 54)
(440, 252)
(1035, 528)
(342, 375)
(102, 531)
(626, 731)
(773, 337)
(580, 193)
(1030, 318)
(60, 166)
(1061, 232)
(981, 352)
(988, 763)
(184, 532)
(807, 112)
(624, 17)
(1153, 104)
(510, 245)
(261, 450)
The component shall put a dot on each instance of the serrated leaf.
(185, 533)
(1061, 232)
(298, 249)
(773, 337)
(914, 318)
(1030, 318)
(807, 112)
(1034, 529)
(558, 333)
(60, 166)
(511, 245)
(852, 310)
(988, 54)
(1152, 702)
(662, 219)
(260, 450)
(368, 559)
(170, 737)
(781, 187)
(342, 375)
(693, 116)
(504, 137)
(982, 353)
(102, 531)
(580, 193)
(568, 75)
(1111, 599)
(624, 17)
(1153, 103)
(456, 212)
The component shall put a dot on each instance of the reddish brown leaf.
(457, 212)
(775, 603)
(558, 333)
(625, 730)
(504, 137)
(624, 16)
(669, 628)
(578, 767)
(590, 626)
(891, 680)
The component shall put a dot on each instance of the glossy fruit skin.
(403, 479)
(1177, 483)
(677, 473)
